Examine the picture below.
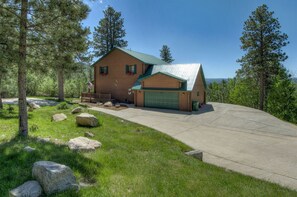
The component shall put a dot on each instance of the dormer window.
(131, 69)
(103, 70)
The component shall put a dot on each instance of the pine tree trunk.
(61, 84)
(1, 104)
(23, 116)
(262, 92)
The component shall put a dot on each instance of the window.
(103, 70)
(198, 93)
(131, 69)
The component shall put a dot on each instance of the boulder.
(108, 104)
(54, 177)
(28, 189)
(59, 117)
(33, 105)
(83, 144)
(89, 134)
(43, 140)
(196, 154)
(76, 110)
(29, 149)
(86, 119)
(117, 105)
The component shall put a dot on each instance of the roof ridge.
(124, 49)
(134, 51)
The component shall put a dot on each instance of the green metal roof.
(145, 58)
(188, 72)
(163, 73)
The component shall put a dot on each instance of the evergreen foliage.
(37, 24)
(282, 100)
(262, 40)
(165, 54)
(109, 33)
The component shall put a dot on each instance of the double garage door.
(166, 100)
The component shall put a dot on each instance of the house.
(147, 81)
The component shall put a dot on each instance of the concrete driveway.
(238, 138)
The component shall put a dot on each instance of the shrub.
(62, 106)
(34, 127)
(10, 109)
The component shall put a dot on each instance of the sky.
(197, 31)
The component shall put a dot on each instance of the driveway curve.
(238, 138)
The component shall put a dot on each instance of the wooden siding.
(117, 82)
(139, 98)
(161, 81)
(198, 87)
(185, 103)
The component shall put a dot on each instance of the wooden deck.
(95, 97)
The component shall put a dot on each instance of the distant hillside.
(219, 80)
(211, 80)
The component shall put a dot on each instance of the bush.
(34, 127)
(10, 109)
(62, 106)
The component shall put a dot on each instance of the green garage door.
(167, 100)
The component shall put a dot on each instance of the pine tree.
(109, 33)
(262, 41)
(165, 54)
(7, 47)
(69, 42)
(281, 100)
(34, 19)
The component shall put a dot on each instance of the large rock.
(54, 177)
(59, 117)
(83, 144)
(28, 189)
(29, 149)
(76, 110)
(108, 104)
(33, 105)
(86, 119)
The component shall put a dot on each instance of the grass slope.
(133, 161)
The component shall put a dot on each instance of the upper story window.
(131, 69)
(103, 70)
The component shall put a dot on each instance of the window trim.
(103, 70)
(130, 68)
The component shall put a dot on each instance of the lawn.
(133, 161)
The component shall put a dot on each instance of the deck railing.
(95, 97)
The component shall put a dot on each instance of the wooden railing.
(95, 97)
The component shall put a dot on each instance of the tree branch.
(9, 10)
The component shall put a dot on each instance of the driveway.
(238, 138)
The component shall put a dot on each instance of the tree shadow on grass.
(5, 115)
(16, 164)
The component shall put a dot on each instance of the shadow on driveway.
(204, 109)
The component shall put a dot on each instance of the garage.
(166, 100)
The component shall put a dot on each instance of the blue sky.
(197, 31)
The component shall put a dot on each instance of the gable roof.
(145, 58)
(163, 73)
(188, 72)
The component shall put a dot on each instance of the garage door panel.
(167, 100)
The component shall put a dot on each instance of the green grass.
(133, 161)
